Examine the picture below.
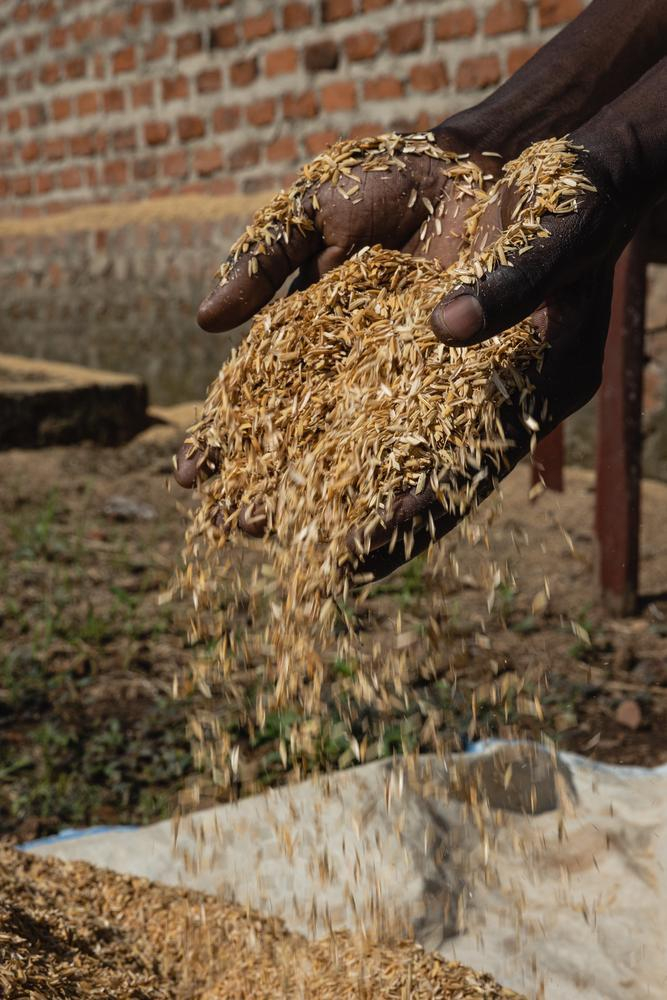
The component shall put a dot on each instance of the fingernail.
(458, 320)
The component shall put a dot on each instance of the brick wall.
(120, 100)
(137, 137)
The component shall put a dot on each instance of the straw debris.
(69, 930)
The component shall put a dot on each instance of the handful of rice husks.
(340, 401)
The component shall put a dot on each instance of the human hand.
(411, 206)
(574, 324)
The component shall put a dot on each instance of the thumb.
(499, 300)
(250, 286)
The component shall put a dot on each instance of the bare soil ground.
(90, 733)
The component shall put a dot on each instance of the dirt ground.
(90, 732)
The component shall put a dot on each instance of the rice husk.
(69, 930)
(340, 400)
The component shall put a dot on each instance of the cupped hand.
(577, 242)
(574, 323)
(390, 208)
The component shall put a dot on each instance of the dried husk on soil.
(69, 930)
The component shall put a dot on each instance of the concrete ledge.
(46, 403)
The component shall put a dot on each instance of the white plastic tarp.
(557, 887)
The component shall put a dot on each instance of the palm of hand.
(416, 208)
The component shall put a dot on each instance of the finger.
(193, 465)
(509, 294)
(312, 270)
(246, 291)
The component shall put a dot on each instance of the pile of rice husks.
(68, 930)
(339, 402)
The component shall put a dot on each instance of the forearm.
(628, 138)
(594, 59)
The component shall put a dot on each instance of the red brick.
(429, 77)
(161, 11)
(55, 149)
(190, 127)
(114, 24)
(280, 61)
(455, 24)
(364, 45)
(296, 15)
(125, 139)
(225, 119)
(517, 57)
(4, 88)
(14, 119)
(58, 37)
(49, 73)
(36, 114)
(31, 43)
(124, 61)
(99, 66)
(22, 186)
(245, 156)
(175, 164)
(320, 56)
(115, 172)
(60, 108)
(46, 11)
(282, 149)
(23, 81)
(506, 15)
(188, 44)
(317, 141)
(363, 129)
(243, 72)
(199, 4)
(91, 175)
(84, 28)
(339, 96)
(335, 10)
(477, 72)
(44, 183)
(114, 99)
(145, 169)
(136, 14)
(406, 37)
(70, 178)
(8, 51)
(383, 88)
(175, 89)
(22, 12)
(367, 5)
(209, 80)
(75, 68)
(224, 36)
(30, 152)
(554, 12)
(156, 48)
(208, 161)
(86, 103)
(142, 94)
(259, 26)
(155, 133)
(87, 145)
(301, 106)
(261, 112)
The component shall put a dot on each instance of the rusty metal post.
(619, 436)
(549, 459)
